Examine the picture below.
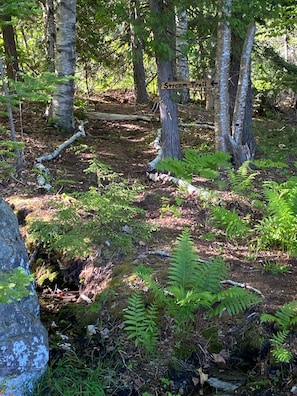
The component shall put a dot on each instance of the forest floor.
(126, 147)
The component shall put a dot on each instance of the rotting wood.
(117, 117)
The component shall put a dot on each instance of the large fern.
(278, 228)
(194, 284)
(195, 163)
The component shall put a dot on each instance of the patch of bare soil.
(125, 147)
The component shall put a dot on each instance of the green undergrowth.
(106, 215)
(193, 287)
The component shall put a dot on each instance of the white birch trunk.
(222, 117)
(243, 85)
(182, 64)
(63, 98)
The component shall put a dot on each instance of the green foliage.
(230, 221)
(242, 179)
(278, 229)
(14, 285)
(192, 284)
(7, 154)
(85, 220)
(140, 321)
(194, 163)
(71, 376)
(275, 268)
(286, 319)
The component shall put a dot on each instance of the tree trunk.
(242, 140)
(50, 33)
(182, 65)
(170, 139)
(222, 119)
(137, 57)
(63, 98)
(11, 55)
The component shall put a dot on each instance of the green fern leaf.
(209, 275)
(233, 300)
(141, 322)
(183, 269)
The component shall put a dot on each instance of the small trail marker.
(200, 84)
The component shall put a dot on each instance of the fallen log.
(197, 125)
(95, 115)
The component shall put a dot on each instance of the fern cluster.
(85, 220)
(194, 163)
(230, 221)
(242, 179)
(192, 284)
(278, 229)
(286, 319)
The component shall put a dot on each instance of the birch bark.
(182, 65)
(222, 119)
(63, 98)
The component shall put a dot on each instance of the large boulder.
(24, 348)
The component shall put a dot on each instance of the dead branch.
(42, 177)
(181, 183)
(242, 285)
(54, 154)
(117, 117)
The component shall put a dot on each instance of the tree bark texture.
(222, 119)
(137, 55)
(182, 65)
(11, 55)
(163, 14)
(63, 98)
(50, 33)
(242, 139)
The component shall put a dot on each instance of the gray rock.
(24, 348)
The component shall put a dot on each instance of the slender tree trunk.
(50, 32)
(62, 111)
(182, 65)
(222, 119)
(19, 154)
(241, 138)
(11, 55)
(137, 56)
(170, 139)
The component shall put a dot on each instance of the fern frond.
(146, 275)
(279, 351)
(242, 179)
(141, 322)
(229, 220)
(233, 300)
(209, 275)
(183, 269)
(176, 167)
